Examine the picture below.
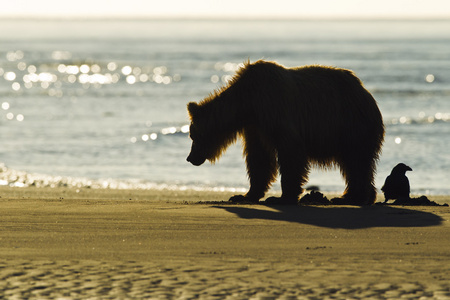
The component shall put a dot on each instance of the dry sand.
(121, 244)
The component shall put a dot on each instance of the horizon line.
(220, 18)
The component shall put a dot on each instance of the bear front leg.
(261, 168)
(294, 170)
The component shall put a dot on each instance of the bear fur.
(291, 119)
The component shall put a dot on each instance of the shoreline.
(128, 244)
(157, 194)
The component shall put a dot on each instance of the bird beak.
(409, 169)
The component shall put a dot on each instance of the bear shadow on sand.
(339, 217)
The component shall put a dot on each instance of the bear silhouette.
(396, 185)
(292, 119)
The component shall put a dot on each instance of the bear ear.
(193, 109)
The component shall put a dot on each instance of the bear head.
(202, 142)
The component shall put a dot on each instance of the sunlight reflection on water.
(55, 76)
(34, 76)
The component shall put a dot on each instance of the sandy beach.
(136, 244)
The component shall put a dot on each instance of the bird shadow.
(344, 217)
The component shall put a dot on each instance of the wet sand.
(128, 244)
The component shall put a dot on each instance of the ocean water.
(103, 103)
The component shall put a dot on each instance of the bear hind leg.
(359, 177)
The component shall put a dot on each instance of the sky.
(228, 8)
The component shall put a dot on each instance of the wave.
(167, 130)
(422, 119)
(15, 178)
(181, 129)
(159, 131)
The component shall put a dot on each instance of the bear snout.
(195, 160)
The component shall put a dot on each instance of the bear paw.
(281, 201)
(241, 199)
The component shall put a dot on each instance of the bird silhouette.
(397, 184)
